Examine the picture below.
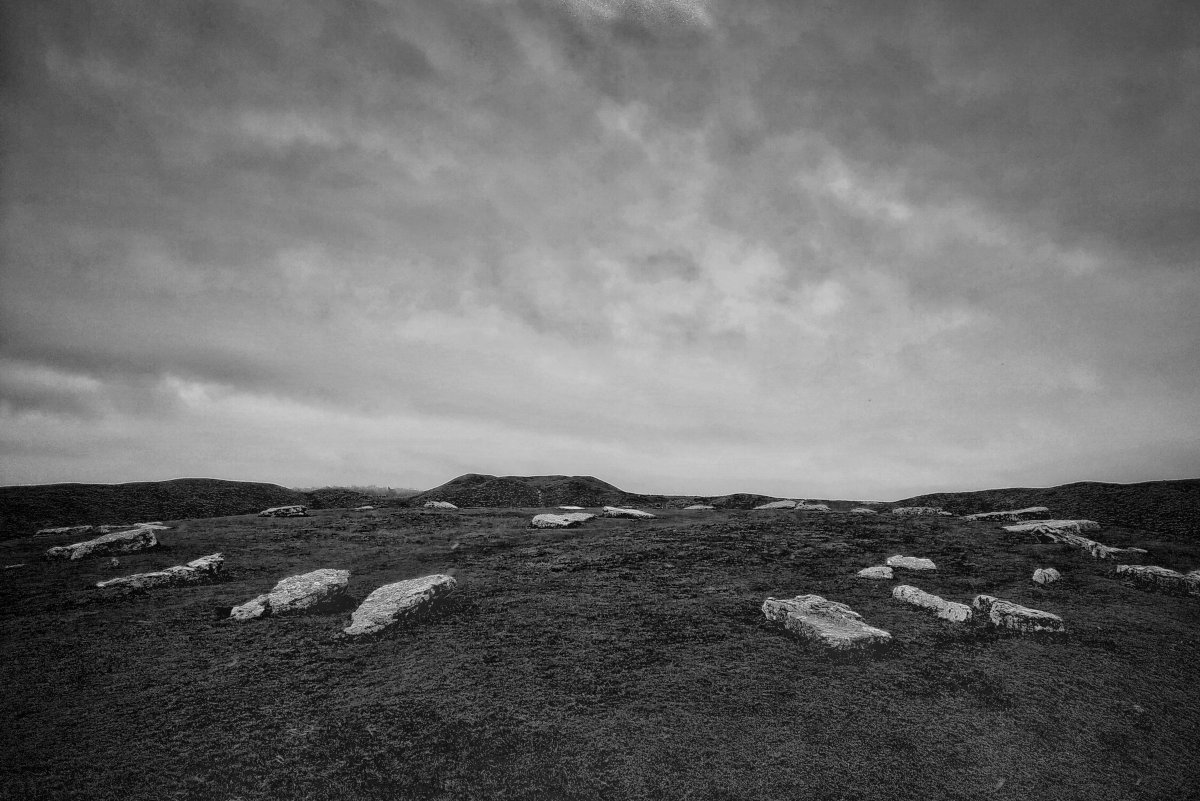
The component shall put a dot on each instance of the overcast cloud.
(822, 250)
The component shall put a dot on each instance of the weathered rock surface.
(877, 572)
(812, 507)
(946, 610)
(439, 505)
(1067, 532)
(1010, 516)
(862, 510)
(366, 508)
(561, 521)
(616, 511)
(1046, 575)
(920, 511)
(697, 507)
(295, 594)
(777, 505)
(393, 603)
(571, 508)
(197, 570)
(285, 511)
(827, 623)
(67, 531)
(1009, 615)
(1162, 579)
(135, 539)
(911, 563)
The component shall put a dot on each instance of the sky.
(828, 250)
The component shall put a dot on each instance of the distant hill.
(1165, 506)
(25, 509)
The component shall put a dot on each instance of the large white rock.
(777, 505)
(911, 563)
(285, 511)
(698, 507)
(202, 569)
(439, 505)
(392, 603)
(295, 594)
(1161, 578)
(135, 539)
(616, 511)
(812, 507)
(1067, 532)
(877, 572)
(862, 510)
(1009, 615)
(1046, 575)
(1012, 515)
(920, 511)
(560, 521)
(827, 623)
(946, 610)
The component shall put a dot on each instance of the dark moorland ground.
(620, 660)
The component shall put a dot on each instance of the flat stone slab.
(812, 507)
(698, 507)
(616, 511)
(66, 531)
(569, 520)
(439, 505)
(1054, 527)
(776, 505)
(1009, 516)
(946, 610)
(295, 594)
(827, 623)
(920, 511)
(366, 508)
(1162, 579)
(571, 508)
(393, 603)
(1046, 575)
(285, 511)
(1067, 533)
(1008, 615)
(197, 570)
(911, 563)
(131, 541)
(862, 510)
(877, 572)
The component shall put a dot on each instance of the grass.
(624, 659)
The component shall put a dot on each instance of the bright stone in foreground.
(1046, 575)
(1009, 615)
(284, 511)
(1151, 577)
(946, 610)
(615, 511)
(911, 563)
(877, 572)
(439, 505)
(295, 594)
(392, 603)
(135, 539)
(206, 567)
(828, 623)
(560, 521)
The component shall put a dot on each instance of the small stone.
(616, 511)
(862, 510)
(877, 572)
(1046, 575)
(698, 507)
(285, 511)
(802, 506)
(1009, 615)
(571, 508)
(920, 511)
(911, 563)
(366, 508)
(439, 505)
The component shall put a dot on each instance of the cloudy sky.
(691, 246)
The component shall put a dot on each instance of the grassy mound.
(620, 660)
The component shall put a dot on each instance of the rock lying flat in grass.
(1162, 579)
(439, 505)
(366, 508)
(1009, 615)
(828, 623)
(135, 539)
(561, 521)
(812, 507)
(697, 507)
(777, 505)
(1046, 575)
(1010, 516)
(295, 594)
(393, 603)
(946, 610)
(920, 511)
(285, 511)
(66, 531)
(1068, 534)
(911, 563)
(571, 508)
(197, 570)
(862, 510)
(616, 511)
(877, 572)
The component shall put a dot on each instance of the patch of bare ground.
(623, 659)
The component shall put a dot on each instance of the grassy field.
(621, 660)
